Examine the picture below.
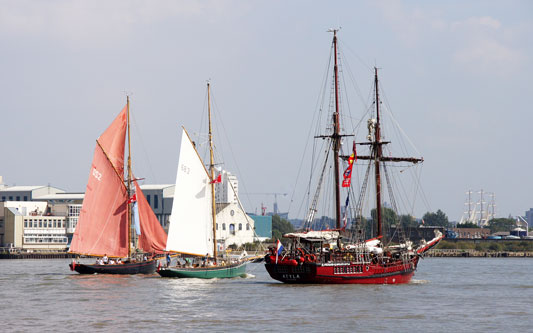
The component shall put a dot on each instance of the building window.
(3, 198)
(25, 198)
(240, 226)
(148, 198)
(10, 198)
(247, 226)
(232, 229)
(156, 202)
(18, 198)
(217, 226)
(223, 226)
(25, 224)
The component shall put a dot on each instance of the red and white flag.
(217, 180)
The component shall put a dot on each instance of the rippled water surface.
(446, 295)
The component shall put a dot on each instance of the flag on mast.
(348, 172)
(279, 249)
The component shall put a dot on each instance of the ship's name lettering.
(185, 169)
(291, 276)
(97, 174)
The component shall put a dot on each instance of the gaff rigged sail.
(102, 225)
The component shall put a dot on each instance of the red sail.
(152, 238)
(102, 226)
(113, 140)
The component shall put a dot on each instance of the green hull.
(222, 272)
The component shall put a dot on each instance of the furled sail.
(153, 238)
(102, 225)
(191, 225)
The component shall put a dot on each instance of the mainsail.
(102, 226)
(191, 225)
(113, 140)
(152, 238)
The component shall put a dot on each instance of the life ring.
(302, 252)
(310, 257)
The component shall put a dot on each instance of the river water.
(446, 295)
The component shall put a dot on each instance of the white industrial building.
(45, 217)
(233, 225)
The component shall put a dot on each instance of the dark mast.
(377, 156)
(336, 137)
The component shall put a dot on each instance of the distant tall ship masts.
(479, 212)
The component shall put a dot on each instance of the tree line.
(281, 226)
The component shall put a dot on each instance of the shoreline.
(467, 253)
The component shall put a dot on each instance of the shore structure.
(43, 219)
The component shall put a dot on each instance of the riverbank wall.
(458, 253)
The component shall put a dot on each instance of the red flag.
(133, 198)
(218, 180)
(348, 172)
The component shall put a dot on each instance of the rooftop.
(25, 188)
(62, 196)
(155, 186)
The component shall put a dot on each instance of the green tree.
(388, 216)
(280, 227)
(436, 219)
(502, 224)
(467, 225)
(408, 222)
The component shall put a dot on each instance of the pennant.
(133, 198)
(345, 218)
(136, 221)
(348, 172)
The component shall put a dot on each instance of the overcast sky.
(458, 75)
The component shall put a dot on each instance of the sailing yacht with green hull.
(192, 230)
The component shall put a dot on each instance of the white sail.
(191, 224)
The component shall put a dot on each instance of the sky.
(458, 77)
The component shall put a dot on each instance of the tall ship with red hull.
(355, 249)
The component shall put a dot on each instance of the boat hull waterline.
(143, 267)
(220, 272)
(343, 273)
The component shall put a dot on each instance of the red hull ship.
(359, 266)
(343, 273)
(344, 255)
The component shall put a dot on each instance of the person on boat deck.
(111, 262)
(145, 257)
(105, 259)
(169, 259)
(119, 261)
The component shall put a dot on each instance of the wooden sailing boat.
(105, 224)
(192, 230)
(342, 256)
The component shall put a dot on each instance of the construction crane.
(275, 194)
